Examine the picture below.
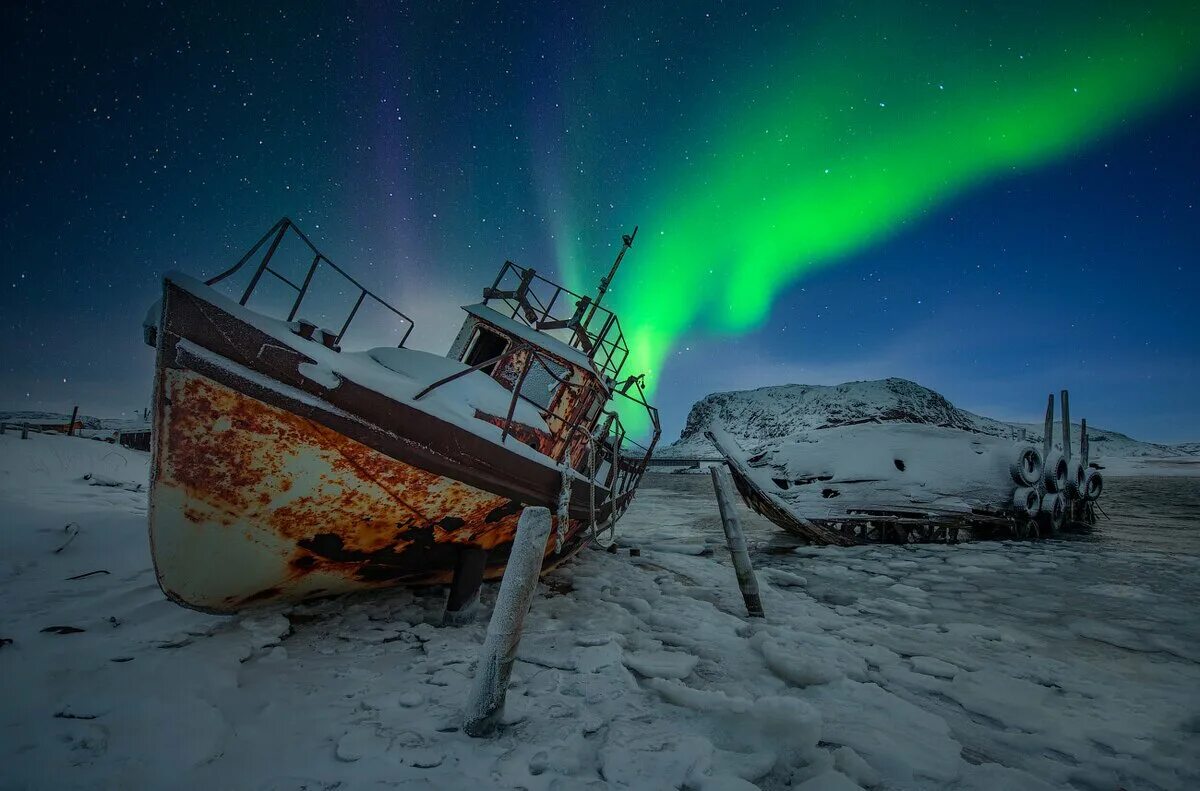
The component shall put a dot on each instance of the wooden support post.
(486, 701)
(1047, 435)
(1066, 440)
(1066, 424)
(1083, 443)
(71, 425)
(463, 599)
(1, 428)
(736, 541)
(24, 431)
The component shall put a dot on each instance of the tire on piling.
(1075, 481)
(1027, 470)
(1054, 508)
(1027, 500)
(1093, 485)
(1055, 473)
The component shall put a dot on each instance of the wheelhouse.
(563, 354)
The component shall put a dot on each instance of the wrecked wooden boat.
(285, 467)
(909, 483)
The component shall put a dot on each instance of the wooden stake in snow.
(504, 632)
(1083, 442)
(1066, 424)
(24, 431)
(463, 598)
(1047, 439)
(71, 425)
(736, 541)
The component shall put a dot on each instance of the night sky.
(994, 202)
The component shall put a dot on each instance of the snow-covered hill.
(780, 411)
(89, 422)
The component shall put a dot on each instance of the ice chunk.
(660, 664)
(828, 781)
(932, 666)
(851, 764)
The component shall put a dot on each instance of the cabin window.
(484, 346)
(540, 386)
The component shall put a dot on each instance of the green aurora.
(868, 122)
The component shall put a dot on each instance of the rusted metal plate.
(250, 503)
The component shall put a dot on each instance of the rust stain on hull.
(251, 503)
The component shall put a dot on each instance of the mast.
(627, 242)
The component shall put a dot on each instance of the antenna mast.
(627, 242)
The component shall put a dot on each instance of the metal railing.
(277, 234)
(531, 298)
(612, 442)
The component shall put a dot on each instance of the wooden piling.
(1047, 435)
(1066, 431)
(736, 541)
(499, 650)
(463, 598)
(1084, 447)
(24, 431)
(71, 425)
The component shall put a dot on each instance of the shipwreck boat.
(910, 483)
(285, 467)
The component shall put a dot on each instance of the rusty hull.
(261, 492)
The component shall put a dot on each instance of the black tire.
(1075, 475)
(1027, 501)
(1027, 469)
(1055, 507)
(1054, 475)
(1093, 485)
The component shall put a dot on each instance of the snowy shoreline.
(984, 666)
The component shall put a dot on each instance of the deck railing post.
(266, 260)
(486, 701)
(304, 288)
(512, 406)
(737, 542)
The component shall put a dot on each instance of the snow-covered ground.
(986, 666)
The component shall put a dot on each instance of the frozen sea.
(1071, 663)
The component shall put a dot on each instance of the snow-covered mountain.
(784, 410)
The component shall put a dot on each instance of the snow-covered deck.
(397, 373)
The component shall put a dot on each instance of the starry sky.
(995, 201)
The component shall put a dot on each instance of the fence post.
(486, 700)
(737, 542)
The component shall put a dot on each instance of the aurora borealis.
(823, 191)
(819, 169)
